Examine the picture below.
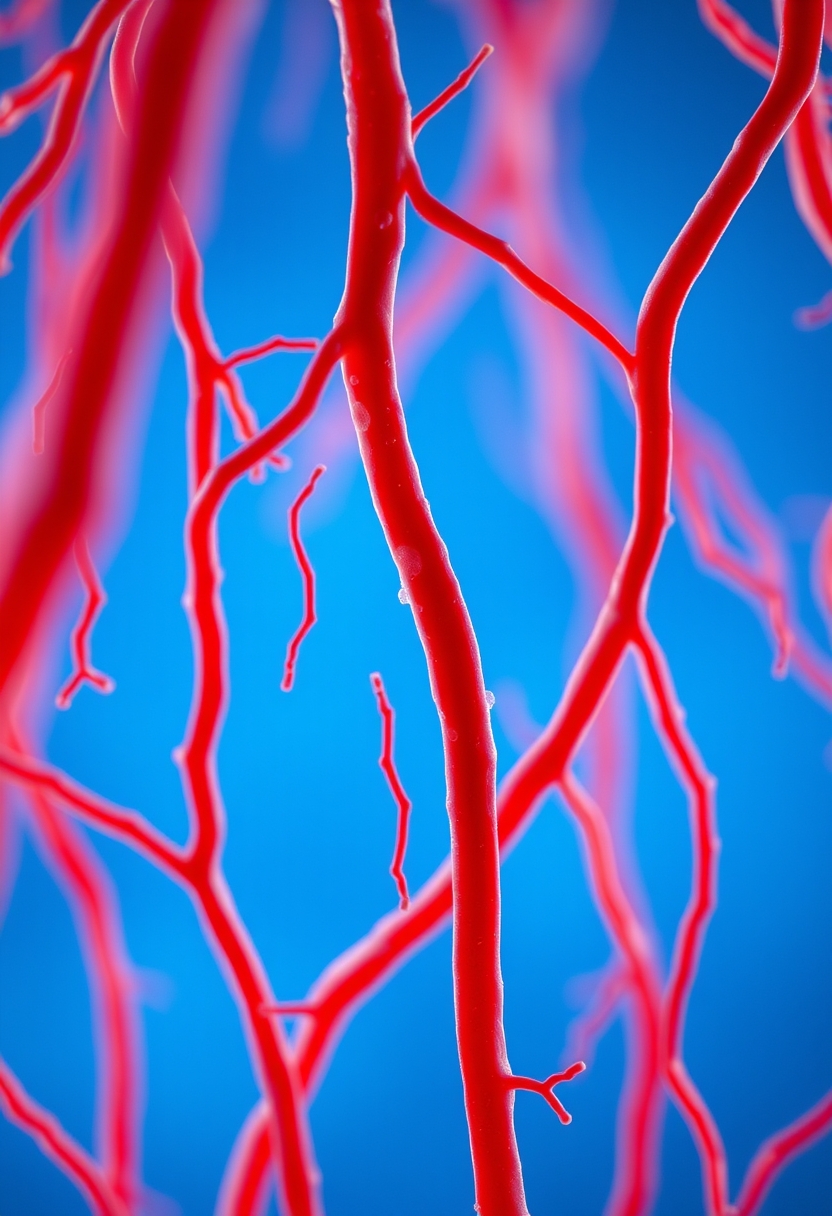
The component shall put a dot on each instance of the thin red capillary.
(248, 353)
(128, 826)
(308, 577)
(387, 764)
(453, 90)
(80, 641)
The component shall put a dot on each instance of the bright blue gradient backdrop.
(311, 823)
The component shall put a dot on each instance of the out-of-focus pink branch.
(245, 1184)
(735, 32)
(127, 826)
(808, 144)
(112, 989)
(711, 486)
(822, 568)
(20, 17)
(669, 720)
(22, 1110)
(778, 1151)
(307, 572)
(589, 1026)
(73, 72)
(387, 764)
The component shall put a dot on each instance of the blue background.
(311, 821)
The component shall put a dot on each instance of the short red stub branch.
(308, 576)
(388, 766)
(453, 90)
(249, 353)
(546, 1088)
(83, 670)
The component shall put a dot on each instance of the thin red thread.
(388, 766)
(308, 576)
(95, 599)
(453, 90)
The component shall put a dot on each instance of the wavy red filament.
(308, 576)
(387, 764)
(80, 641)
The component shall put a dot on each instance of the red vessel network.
(164, 58)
